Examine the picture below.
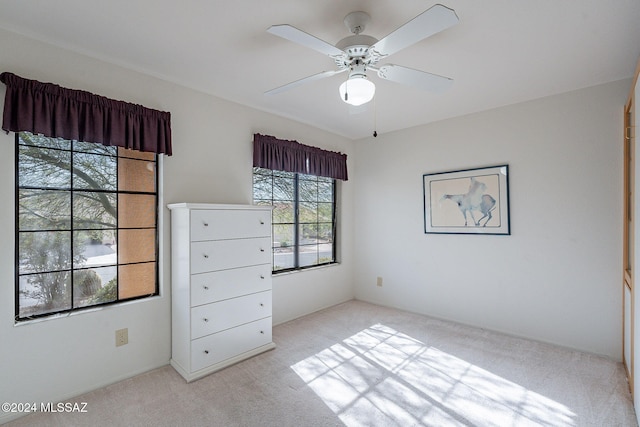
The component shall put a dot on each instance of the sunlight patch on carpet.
(380, 376)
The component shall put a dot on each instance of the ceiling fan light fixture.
(357, 90)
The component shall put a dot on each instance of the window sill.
(302, 270)
(83, 311)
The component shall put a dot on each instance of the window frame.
(296, 218)
(72, 229)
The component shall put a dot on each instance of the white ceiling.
(501, 52)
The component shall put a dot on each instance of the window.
(304, 217)
(86, 225)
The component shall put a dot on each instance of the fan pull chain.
(375, 118)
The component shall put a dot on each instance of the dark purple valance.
(58, 112)
(278, 154)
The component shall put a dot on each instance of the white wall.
(557, 278)
(56, 359)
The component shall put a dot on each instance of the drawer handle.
(206, 352)
(206, 256)
(261, 305)
(206, 224)
(262, 332)
(261, 222)
(261, 250)
(205, 319)
(262, 276)
(206, 288)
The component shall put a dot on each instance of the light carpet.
(358, 364)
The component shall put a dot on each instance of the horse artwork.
(474, 200)
(471, 201)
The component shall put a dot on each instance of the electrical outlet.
(122, 337)
(379, 281)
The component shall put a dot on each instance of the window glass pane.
(136, 210)
(27, 138)
(308, 190)
(92, 147)
(283, 212)
(92, 171)
(308, 255)
(325, 232)
(262, 202)
(325, 191)
(263, 171)
(44, 168)
(308, 212)
(136, 246)
(94, 210)
(44, 293)
(94, 286)
(283, 258)
(283, 189)
(262, 187)
(308, 233)
(137, 280)
(283, 174)
(43, 210)
(136, 175)
(44, 251)
(133, 154)
(109, 290)
(93, 248)
(283, 236)
(325, 212)
(325, 253)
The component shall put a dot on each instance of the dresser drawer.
(215, 317)
(223, 345)
(225, 284)
(225, 254)
(229, 224)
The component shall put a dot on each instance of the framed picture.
(470, 201)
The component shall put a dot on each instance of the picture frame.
(468, 201)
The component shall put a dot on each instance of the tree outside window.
(86, 225)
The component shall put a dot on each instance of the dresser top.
(217, 206)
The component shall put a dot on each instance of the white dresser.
(220, 285)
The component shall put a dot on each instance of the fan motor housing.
(354, 43)
(356, 48)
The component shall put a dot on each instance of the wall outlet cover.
(122, 337)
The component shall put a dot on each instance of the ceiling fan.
(359, 53)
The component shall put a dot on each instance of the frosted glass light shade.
(358, 91)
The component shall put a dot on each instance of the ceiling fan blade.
(295, 35)
(414, 78)
(435, 19)
(296, 83)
